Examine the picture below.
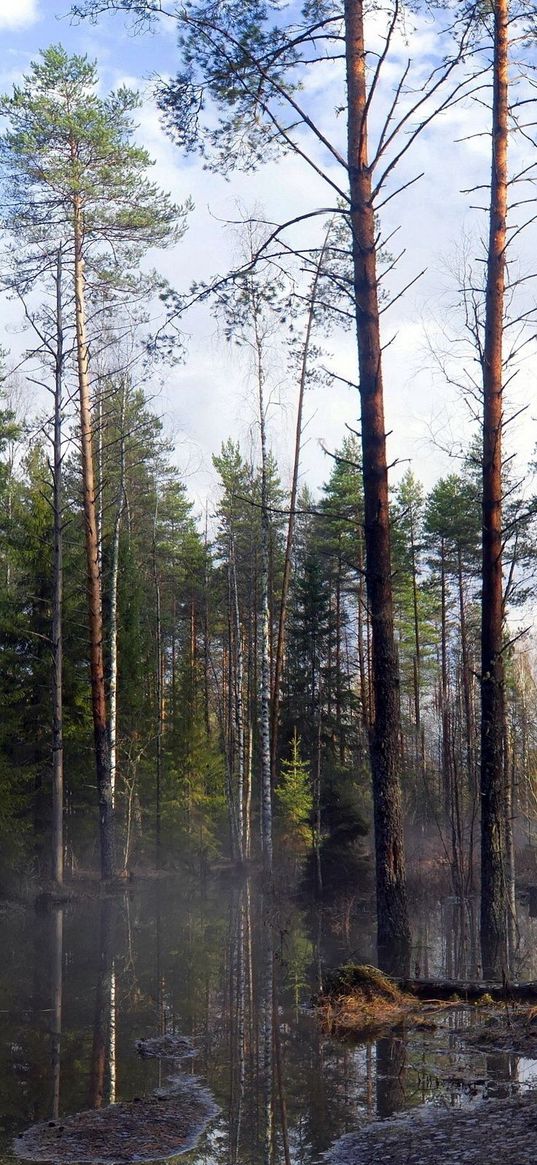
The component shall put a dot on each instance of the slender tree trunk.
(393, 934)
(317, 798)
(288, 557)
(98, 429)
(114, 579)
(95, 613)
(278, 1066)
(206, 638)
(267, 971)
(231, 738)
(418, 727)
(113, 1035)
(56, 921)
(446, 751)
(417, 643)
(469, 727)
(510, 867)
(248, 794)
(363, 652)
(266, 782)
(493, 905)
(159, 686)
(57, 596)
(100, 1055)
(466, 684)
(340, 733)
(238, 702)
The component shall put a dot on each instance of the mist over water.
(232, 969)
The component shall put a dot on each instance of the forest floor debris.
(152, 1128)
(167, 1047)
(359, 1001)
(484, 1132)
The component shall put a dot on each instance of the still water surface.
(233, 969)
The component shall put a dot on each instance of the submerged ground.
(486, 1132)
(232, 970)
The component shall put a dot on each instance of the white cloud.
(17, 13)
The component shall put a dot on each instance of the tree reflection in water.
(232, 968)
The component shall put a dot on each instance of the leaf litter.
(151, 1128)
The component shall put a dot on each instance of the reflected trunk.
(56, 1011)
(103, 1069)
(391, 1064)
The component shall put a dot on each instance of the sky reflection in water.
(233, 970)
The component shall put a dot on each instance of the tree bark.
(238, 753)
(159, 677)
(56, 924)
(114, 580)
(57, 596)
(393, 933)
(95, 615)
(493, 905)
(264, 718)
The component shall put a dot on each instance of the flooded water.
(231, 970)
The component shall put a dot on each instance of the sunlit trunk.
(95, 614)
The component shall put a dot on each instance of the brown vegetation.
(361, 1001)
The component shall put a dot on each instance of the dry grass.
(361, 1001)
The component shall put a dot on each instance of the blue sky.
(29, 25)
(208, 398)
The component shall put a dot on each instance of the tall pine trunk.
(95, 613)
(493, 905)
(393, 934)
(57, 596)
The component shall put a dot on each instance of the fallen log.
(352, 977)
(448, 988)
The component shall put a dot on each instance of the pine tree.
(73, 178)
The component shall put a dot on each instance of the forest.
(290, 726)
(326, 686)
